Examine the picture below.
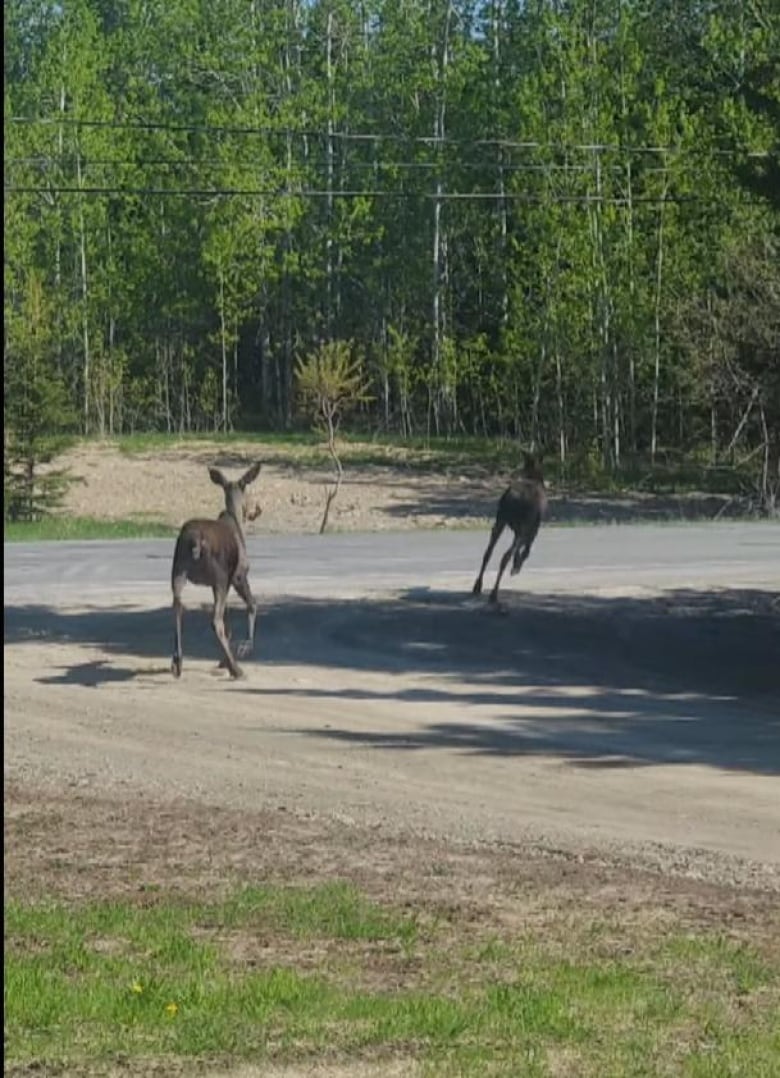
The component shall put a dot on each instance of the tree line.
(555, 220)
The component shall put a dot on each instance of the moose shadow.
(687, 677)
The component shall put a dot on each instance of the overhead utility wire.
(353, 136)
(452, 196)
(353, 166)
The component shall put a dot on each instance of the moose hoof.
(176, 666)
(244, 649)
(477, 589)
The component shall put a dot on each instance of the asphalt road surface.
(666, 555)
(628, 700)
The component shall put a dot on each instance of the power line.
(372, 137)
(40, 161)
(447, 196)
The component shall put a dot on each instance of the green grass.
(63, 527)
(281, 974)
(335, 911)
(152, 441)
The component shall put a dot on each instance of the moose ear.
(250, 475)
(217, 477)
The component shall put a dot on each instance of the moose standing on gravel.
(521, 508)
(213, 553)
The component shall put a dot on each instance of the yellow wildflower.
(172, 1009)
(137, 988)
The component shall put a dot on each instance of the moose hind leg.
(222, 664)
(241, 584)
(218, 624)
(178, 614)
(523, 550)
(521, 553)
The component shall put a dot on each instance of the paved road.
(713, 554)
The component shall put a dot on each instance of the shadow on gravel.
(98, 672)
(471, 500)
(687, 677)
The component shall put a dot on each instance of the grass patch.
(150, 442)
(64, 527)
(282, 974)
(334, 911)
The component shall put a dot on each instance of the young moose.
(521, 508)
(213, 553)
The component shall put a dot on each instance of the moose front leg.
(495, 535)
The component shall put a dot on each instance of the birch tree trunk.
(439, 128)
(659, 263)
(496, 26)
(84, 300)
(223, 341)
(330, 177)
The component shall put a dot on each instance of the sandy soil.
(173, 484)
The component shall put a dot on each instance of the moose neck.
(234, 520)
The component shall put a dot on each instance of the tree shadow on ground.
(472, 492)
(686, 677)
(98, 672)
(473, 499)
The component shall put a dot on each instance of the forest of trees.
(555, 220)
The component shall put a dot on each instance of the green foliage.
(35, 407)
(526, 273)
(331, 383)
(732, 335)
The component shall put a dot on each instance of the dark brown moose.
(521, 508)
(213, 553)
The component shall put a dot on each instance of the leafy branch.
(331, 383)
